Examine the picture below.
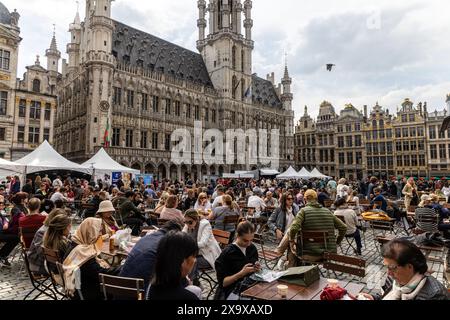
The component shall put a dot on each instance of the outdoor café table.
(116, 252)
(269, 291)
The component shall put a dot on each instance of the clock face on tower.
(104, 106)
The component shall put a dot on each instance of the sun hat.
(106, 206)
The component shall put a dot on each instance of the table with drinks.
(279, 290)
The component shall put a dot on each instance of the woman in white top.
(351, 220)
(202, 203)
(342, 190)
(201, 231)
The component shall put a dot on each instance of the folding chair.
(51, 258)
(344, 264)
(223, 238)
(268, 256)
(304, 238)
(120, 288)
(38, 281)
(382, 231)
(60, 268)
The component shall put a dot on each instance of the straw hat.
(106, 206)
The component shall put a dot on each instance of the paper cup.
(282, 290)
(333, 283)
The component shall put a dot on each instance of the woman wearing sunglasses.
(407, 274)
(200, 230)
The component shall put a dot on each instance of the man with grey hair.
(256, 201)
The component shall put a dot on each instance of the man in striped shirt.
(314, 217)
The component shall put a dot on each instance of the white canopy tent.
(290, 173)
(269, 172)
(304, 174)
(317, 174)
(45, 158)
(10, 168)
(103, 164)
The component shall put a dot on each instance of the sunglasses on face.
(190, 222)
(290, 199)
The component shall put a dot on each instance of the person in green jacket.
(314, 217)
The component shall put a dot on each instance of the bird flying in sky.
(330, 67)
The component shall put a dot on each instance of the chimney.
(365, 111)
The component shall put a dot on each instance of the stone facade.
(9, 51)
(145, 88)
(376, 144)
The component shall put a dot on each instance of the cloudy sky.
(383, 50)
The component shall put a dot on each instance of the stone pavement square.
(15, 284)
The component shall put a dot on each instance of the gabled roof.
(140, 49)
(263, 92)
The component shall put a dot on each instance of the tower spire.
(52, 54)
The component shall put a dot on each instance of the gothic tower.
(226, 52)
(97, 58)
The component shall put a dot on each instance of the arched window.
(36, 85)
(233, 57)
(242, 60)
(233, 87)
(381, 123)
(243, 89)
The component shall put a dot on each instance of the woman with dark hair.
(407, 278)
(176, 256)
(56, 236)
(283, 216)
(236, 262)
(200, 230)
(10, 235)
(35, 253)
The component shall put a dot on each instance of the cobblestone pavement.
(15, 284)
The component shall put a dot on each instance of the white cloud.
(406, 57)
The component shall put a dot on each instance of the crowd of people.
(170, 259)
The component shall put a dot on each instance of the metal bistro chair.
(39, 282)
(120, 288)
(382, 232)
(51, 259)
(269, 257)
(344, 264)
(223, 238)
(316, 237)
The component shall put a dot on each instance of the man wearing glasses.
(407, 274)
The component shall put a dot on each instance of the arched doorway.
(184, 172)
(162, 172)
(220, 171)
(136, 166)
(149, 168)
(173, 173)
(194, 173)
(204, 172)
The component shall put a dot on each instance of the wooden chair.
(39, 282)
(51, 258)
(223, 238)
(427, 220)
(230, 220)
(268, 256)
(305, 237)
(341, 263)
(120, 288)
(381, 230)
